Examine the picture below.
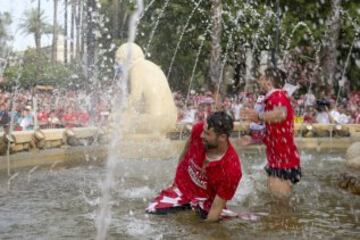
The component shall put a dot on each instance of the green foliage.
(37, 69)
(32, 22)
(246, 25)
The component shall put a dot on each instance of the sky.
(16, 8)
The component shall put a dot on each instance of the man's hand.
(244, 141)
(249, 115)
(216, 208)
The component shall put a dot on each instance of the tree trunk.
(255, 67)
(125, 14)
(329, 65)
(65, 31)
(72, 30)
(115, 18)
(240, 67)
(83, 28)
(55, 34)
(215, 58)
(77, 22)
(38, 30)
(90, 37)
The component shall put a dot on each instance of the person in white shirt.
(323, 116)
(309, 99)
(342, 118)
(189, 114)
(236, 108)
(27, 120)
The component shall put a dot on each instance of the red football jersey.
(220, 177)
(281, 150)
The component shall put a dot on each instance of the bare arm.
(278, 114)
(217, 206)
(184, 150)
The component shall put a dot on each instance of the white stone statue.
(151, 105)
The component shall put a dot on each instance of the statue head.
(131, 50)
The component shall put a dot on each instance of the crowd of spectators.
(53, 108)
(308, 107)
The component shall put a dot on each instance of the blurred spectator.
(309, 99)
(236, 108)
(339, 114)
(69, 119)
(323, 116)
(189, 114)
(53, 120)
(26, 121)
(82, 118)
(310, 115)
(202, 113)
(4, 117)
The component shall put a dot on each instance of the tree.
(215, 56)
(72, 30)
(5, 21)
(55, 33)
(34, 23)
(331, 43)
(38, 69)
(90, 36)
(245, 27)
(65, 31)
(78, 17)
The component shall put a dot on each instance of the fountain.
(151, 108)
(66, 201)
(151, 112)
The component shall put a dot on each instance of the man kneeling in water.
(208, 172)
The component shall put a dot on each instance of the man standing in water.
(283, 161)
(208, 172)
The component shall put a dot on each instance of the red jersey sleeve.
(197, 130)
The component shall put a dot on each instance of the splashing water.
(104, 216)
(203, 37)
(181, 37)
(147, 48)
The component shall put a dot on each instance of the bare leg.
(279, 187)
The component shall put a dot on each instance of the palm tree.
(34, 23)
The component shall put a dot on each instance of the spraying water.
(181, 37)
(203, 37)
(155, 27)
(104, 216)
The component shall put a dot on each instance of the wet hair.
(276, 76)
(221, 122)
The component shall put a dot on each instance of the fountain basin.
(65, 202)
(31, 148)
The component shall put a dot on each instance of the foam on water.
(139, 192)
